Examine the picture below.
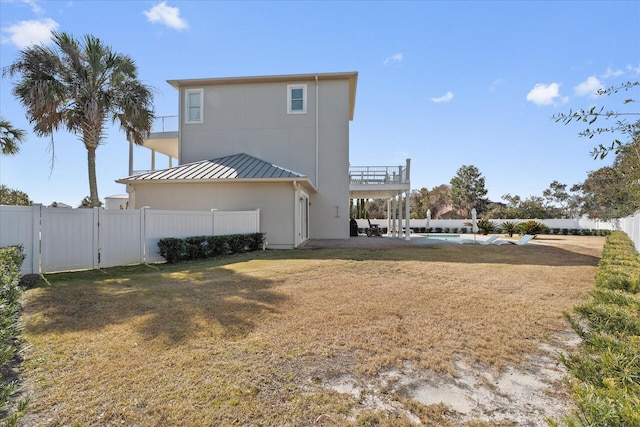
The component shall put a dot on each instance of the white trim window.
(296, 99)
(193, 105)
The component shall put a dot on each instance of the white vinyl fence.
(630, 224)
(59, 239)
(581, 223)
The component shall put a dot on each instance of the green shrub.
(555, 231)
(10, 262)
(509, 227)
(174, 249)
(532, 227)
(605, 369)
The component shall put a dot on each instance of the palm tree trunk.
(93, 184)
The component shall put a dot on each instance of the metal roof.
(238, 166)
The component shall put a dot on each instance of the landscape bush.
(605, 369)
(510, 227)
(174, 249)
(532, 227)
(10, 262)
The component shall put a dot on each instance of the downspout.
(317, 132)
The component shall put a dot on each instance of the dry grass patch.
(258, 339)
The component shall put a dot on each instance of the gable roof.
(236, 167)
(351, 76)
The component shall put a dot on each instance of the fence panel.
(236, 222)
(19, 225)
(159, 224)
(120, 237)
(69, 239)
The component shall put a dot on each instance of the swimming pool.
(453, 238)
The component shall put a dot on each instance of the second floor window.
(193, 105)
(297, 99)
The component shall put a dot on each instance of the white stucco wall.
(252, 118)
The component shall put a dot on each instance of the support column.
(400, 216)
(407, 213)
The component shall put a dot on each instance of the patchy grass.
(253, 339)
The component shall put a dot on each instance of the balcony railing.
(165, 124)
(378, 175)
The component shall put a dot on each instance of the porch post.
(400, 215)
(406, 212)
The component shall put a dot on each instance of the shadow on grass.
(174, 303)
(170, 303)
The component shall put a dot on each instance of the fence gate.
(120, 237)
(69, 239)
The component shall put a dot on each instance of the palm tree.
(10, 138)
(80, 85)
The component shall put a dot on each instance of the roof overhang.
(351, 76)
(305, 182)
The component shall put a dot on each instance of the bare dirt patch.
(437, 335)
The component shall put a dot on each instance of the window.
(297, 99)
(193, 105)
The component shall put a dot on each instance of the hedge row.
(174, 249)
(10, 262)
(605, 369)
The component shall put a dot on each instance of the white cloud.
(33, 4)
(611, 73)
(26, 33)
(444, 98)
(166, 15)
(494, 85)
(543, 94)
(588, 87)
(398, 57)
(634, 70)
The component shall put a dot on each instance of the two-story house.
(275, 143)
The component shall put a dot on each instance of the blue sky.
(446, 84)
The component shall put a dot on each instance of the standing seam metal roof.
(238, 166)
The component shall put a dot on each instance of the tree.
(9, 196)
(86, 203)
(419, 203)
(516, 207)
(81, 85)
(440, 200)
(10, 138)
(614, 192)
(468, 192)
(591, 115)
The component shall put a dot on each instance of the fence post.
(96, 238)
(36, 212)
(213, 221)
(143, 233)
(258, 220)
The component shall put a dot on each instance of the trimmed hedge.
(10, 262)
(605, 368)
(174, 249)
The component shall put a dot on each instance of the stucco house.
(275, 143)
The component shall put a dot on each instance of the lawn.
(309, 337)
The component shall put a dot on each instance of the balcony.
(163, 139)
(378, 182)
